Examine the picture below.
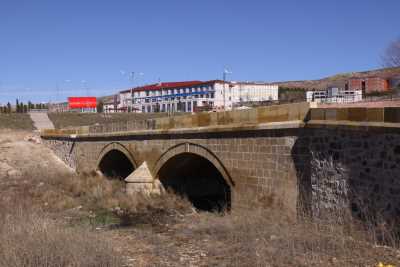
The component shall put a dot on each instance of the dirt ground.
(21, 152)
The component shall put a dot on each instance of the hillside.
(340, 79)
(20, 121)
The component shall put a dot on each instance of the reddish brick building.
(368, 85)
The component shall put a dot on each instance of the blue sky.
(85, 46)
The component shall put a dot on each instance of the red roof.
(169, 85)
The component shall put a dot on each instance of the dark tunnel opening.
(197, 179)
(116, 165)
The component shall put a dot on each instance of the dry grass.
(165, 231)
(32, 239)
(17, 121)
(266, 238)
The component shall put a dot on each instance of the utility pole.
(226, 71)
(132, 78)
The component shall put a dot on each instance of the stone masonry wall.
(356, 172)
(64, 150)
(325, 171)
(259, 163)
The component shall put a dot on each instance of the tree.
(8, 107)
(30, 105)
(391, 57)
(21, 107)
(100, 107)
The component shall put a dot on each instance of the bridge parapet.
(229, 120)
(271, 117)
(269, 114)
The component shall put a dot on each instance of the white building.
(334, 95)
(112, 105)
(192, 96)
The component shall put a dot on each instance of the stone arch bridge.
(323, 160)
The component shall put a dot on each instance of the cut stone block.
(141, 181)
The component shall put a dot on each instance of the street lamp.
(132, 79)
(59, 89)
(85, 87)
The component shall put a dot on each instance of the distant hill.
(340, 79)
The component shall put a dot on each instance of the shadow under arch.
(115, 161)
(193, 171)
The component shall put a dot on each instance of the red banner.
(82, 102)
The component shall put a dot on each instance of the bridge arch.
(193, 171)
(115, 161)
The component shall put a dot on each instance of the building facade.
(368, 85)
(112, 105)
(192, 96)
(334, 95)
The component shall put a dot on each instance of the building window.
(147, 93)
(189, 107)
(148, 109)
(212, 95)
